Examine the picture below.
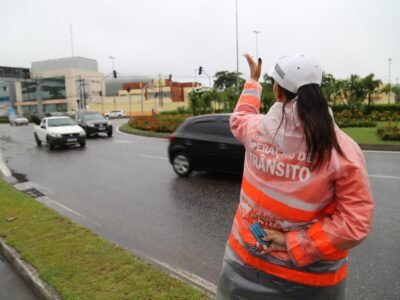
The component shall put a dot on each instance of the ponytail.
(318, 125)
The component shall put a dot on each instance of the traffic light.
(115, 74)
(200, 70)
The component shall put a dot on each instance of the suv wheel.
(181, 164)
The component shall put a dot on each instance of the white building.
(65, 84)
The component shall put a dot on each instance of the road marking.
(156, 157)
(384, 176)
(74, 212)
(376, 151)
(123, 141)
(201, 282)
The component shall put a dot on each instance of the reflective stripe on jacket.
(324, 212)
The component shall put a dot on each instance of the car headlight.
(89, 124)
(54, 134)
(82, 133)
(109, 123)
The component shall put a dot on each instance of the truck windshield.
(60, 122)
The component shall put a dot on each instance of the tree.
(225, 79)
(229, 99)
(200, 100)
(267, 96)
(389, 89)
(354, 92)
(330, 87)
(371, 87)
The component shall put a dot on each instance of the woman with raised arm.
(305, 198)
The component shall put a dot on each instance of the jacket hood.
(284, 126)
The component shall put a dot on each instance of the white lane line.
(201, 282)
(384, 176)
(123, 141)
(376, 151)
(150, 156)
(74, 212)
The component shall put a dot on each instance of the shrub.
(355, 123)
(3, 119)
(162, 123)
(349, 114)
(389, 132)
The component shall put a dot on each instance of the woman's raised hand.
(255, 67)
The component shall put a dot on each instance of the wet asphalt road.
(124, 189)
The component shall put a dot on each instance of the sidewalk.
(11, 286)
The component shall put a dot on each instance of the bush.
(389, 132)
(355, 123)
(4, 119)
(373, 115)
(162, 123)
(349, 114)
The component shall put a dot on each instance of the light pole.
(237, 50)
(112, 62)
(390, 63)
(256, 32)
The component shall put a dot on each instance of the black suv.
(94, 123)
(205, 143)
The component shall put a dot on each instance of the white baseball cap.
(294, 71)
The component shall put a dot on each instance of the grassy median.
(77, 262)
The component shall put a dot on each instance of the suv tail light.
(171, 138)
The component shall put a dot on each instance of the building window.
(51, 89)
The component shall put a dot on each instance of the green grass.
(128, 129)
(369, 135)
(75, 261)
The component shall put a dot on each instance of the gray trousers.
(239, 282)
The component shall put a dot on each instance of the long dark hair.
(318, 125)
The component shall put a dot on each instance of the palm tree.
(388, 89)
(371, 87)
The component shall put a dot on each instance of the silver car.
(18, 120)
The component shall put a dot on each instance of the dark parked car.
(94, 123)
(205, 143)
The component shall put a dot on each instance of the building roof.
(74, 62)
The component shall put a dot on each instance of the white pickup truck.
(59, 131)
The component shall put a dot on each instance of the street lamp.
(256, 32)
(237, 51)
(390, 62)
(112, 62)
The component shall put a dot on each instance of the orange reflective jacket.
(323, 212)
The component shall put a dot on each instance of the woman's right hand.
(255, 68)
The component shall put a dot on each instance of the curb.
(362, 146)
(24, 270)
(28, 273)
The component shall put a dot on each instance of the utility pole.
(129, 99)
(160, 91)
(39, 97)
(256, 32)
(141, 97)
(237, 50)
(112, 62)
(390, 63)
(82, 93)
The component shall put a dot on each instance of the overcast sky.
(151, 37)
